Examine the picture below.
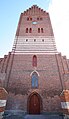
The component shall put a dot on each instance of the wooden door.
(34, 104)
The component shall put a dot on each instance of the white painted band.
(65, 105)
(35, 52)
(2, 103)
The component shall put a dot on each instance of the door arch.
(34, 103)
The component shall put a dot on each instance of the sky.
(10, 11)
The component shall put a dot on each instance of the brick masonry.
(52, 68)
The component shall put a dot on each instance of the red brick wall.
(17, 68)
(49, 80)
(45, 23)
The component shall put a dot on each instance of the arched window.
(34, 80)
(34, 61)
(27, 18)
(40, 18)
(30, 30)
(41, 30)
(37, 18)
(26, 30)
(38, 30)
(30, 19)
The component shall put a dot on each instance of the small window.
(42, 40)
(30, 30)
(38, 30)
(27, 18)
(37, 18)
(34, 61)
(40, 18)
(26, 30)
(30, 19)
(26, 40)
(34, 80)
(34, 40)
(41, 30)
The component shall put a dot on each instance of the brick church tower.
(34, 73)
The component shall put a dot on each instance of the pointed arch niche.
(34, 61)
(34, 79)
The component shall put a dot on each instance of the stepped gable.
(35, 10)
(32, 11)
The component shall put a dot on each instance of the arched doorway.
(34, 104)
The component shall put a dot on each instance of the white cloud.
(59, 14)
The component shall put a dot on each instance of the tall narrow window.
(37, 18)
(30, 30)
(27, 18)
(40, 18)
(38, 30)
(26, 30)
(30, 19)
(41, 30)
(34, 61)
(34, 80)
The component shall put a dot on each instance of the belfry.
(34, 73)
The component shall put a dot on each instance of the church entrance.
(34, 104)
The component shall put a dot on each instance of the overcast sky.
(9, 16)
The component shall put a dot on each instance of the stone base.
(14, 112)
(1, 115)
(66, 116)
